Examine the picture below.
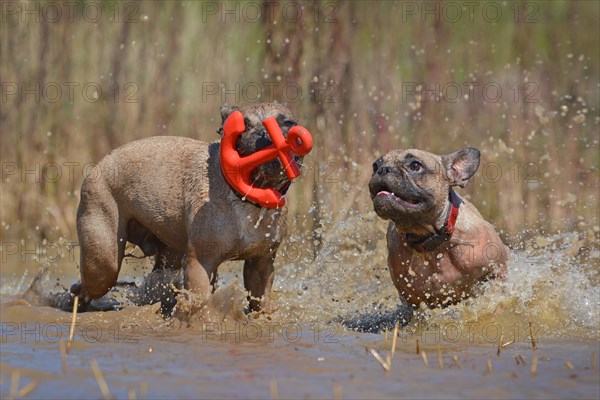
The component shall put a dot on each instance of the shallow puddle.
(302, 350)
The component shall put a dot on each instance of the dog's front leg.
(259, 273)
(197, 274)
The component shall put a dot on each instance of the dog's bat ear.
(225, 113)
(461, 165)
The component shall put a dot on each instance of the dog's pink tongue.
(383, 192)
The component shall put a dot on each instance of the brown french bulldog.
(167, 195)
(439, 246)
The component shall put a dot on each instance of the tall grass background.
(539, 158)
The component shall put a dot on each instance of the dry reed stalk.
(534, 364)
(569, 365)
(63, 355)
(273, 389)
(143, 390)
(424, 356)
(500, 345)
(439, 357)
(418, 348)
(337, 391)
(455, 359)
(27, 389)
(394, 339)
(14, 384)
(131, 394)
(520, 359)
(100, 379)
(490, 367)
(379, 359)
(593, 360)
(73, 320)
(507, 343)
(533, 339)
(386, 334)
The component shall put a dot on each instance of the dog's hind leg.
(102, 239)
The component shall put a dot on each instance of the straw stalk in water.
(27, 389)
(569, 365)
(533, 339)
(273, 389)
(394, 339)
(73, 320)
(14, 392)
(14, 384)
(424, 356)
(337, 391)
(63, 355)
(100, 379)
(534, 363)
(387, 363)
(131, 394)
(455, 359)
(499, 346)
(379, 359)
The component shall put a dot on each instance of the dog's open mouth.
(404, 200)
(284, 188)
(272, 175)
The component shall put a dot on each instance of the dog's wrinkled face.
(410, 187)
(270, 174)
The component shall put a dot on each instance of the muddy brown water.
(303, 350)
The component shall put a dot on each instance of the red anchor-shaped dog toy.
(237, 169)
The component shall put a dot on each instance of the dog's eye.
(289, 123)
(415, 166)
(375, 167)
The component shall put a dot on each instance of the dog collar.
(243, 198)
(429, 243)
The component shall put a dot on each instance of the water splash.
(553, 281)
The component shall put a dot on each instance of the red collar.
(429, 243)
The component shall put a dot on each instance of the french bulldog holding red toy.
(439, 246)
(173, 197)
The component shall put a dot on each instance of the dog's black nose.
(377, 165)
(383, 170)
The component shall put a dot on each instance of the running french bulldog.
(439, 246)
(167, 195)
